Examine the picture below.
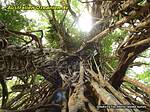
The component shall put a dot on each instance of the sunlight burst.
(85, 22)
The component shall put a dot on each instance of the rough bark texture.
(74, 80)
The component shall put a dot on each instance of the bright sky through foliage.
(85, 22)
